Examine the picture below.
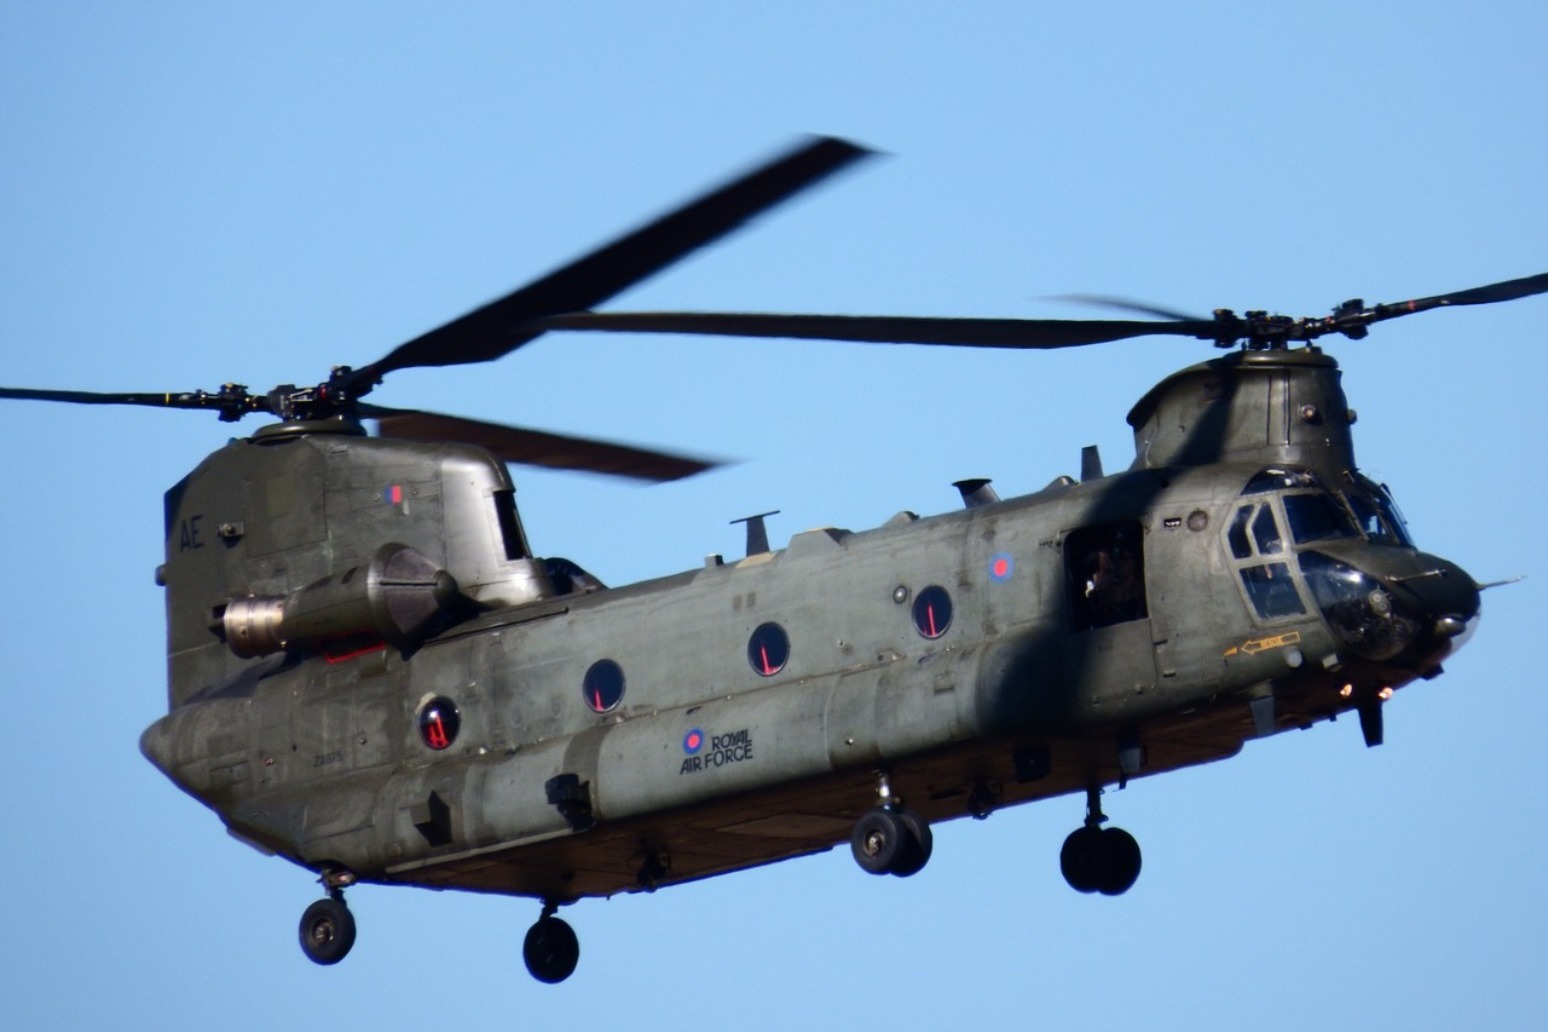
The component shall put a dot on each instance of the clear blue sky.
(194, 193)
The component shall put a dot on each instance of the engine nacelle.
(393, 597)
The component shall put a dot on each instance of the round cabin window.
(768, 650)
(439, 723)
(932, 611)
(603, 687)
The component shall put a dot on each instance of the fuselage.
(549, 738)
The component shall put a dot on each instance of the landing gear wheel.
(891, 841)
(327, 931)
(877, 841)
(921, 843)
(1105, 860)
(1081, 858)
(551, 950)
(1122, 866)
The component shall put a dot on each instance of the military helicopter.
(373, 675)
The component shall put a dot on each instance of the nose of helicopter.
(1447, 597)
(1384, 603)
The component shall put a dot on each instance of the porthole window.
(932, 611)
(768, 650)
(604, 686)
(439, 723)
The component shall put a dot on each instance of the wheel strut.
(884, 796)
(1094, 816)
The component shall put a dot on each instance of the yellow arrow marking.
(1252, 646)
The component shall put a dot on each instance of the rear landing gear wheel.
(327, 931)
(551, 949)
(921, 844)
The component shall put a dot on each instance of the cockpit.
(1297, 542)
(1314, 512)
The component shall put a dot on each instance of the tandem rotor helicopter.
(372, 674)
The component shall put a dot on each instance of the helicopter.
(373, 674)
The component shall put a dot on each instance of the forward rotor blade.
(1126, 305)
(887, 329)
(537, 447)
(1257, 329)
(1508, 290)
(505, 324)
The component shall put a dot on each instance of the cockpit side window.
(1366, 516)
(1377, 513)
(1256, 539)
(1272, 591)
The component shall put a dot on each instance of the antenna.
(757, 534)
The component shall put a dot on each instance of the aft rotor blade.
(887, 329)
(91, 397)
(502, 325)
(231, 401)
(537, 447)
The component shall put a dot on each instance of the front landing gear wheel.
(1105, 860)
(891, 841)
(877, 841)
(327, 931)
(1081, 858)
(551, 950)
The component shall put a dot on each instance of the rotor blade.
(232, 400)
(1509, 290)
(536, 447)
(1126, 305)
(89, 397)
(502, 325)
(886, 329)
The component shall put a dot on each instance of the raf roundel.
(693, 741)
(1001, 566)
